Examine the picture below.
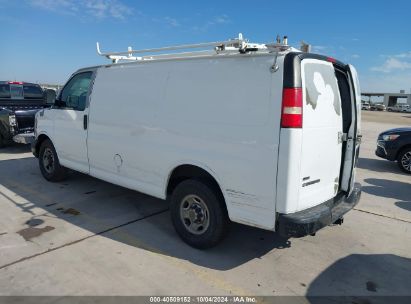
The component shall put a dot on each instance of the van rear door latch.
(342, 137)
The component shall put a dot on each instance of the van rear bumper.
(309, 221)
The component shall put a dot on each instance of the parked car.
(365, 106)
(400, 108)
(23, 99)
(404, 108)
(381, 107)
(378, 107)
(7, 126)
(220, 135)
(395, 145)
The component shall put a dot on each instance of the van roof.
(294, 54)
(188, 56)
(222, 49)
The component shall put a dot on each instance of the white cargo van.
(259, 134)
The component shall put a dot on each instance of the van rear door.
(354, 134)
(322, 136)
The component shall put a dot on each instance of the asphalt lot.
(87, 237)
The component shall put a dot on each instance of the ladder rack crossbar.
(171, 48)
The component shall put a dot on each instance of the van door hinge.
(342, 137)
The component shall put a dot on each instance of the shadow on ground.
(404, 205)
(379, 165)
(390, 189)
(15, 149)
(120, 214)
(363, 275)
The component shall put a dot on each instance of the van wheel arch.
(49, 163)
(187, 171)
(41, 138)
(197, 207)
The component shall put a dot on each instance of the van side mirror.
(50, 96)
(59, 103)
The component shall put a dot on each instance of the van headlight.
(12, 120)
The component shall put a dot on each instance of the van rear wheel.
(49, 163)
(198, 214)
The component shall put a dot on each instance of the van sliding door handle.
(85, 122)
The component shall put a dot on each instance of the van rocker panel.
(309, 221)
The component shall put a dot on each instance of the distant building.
(389, 99)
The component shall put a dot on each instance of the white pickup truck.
(259, 134)
(400, 108)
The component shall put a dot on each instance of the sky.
(47, 40)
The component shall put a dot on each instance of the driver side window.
(75, 92)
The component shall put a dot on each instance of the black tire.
(49, 163)
(217, 227)
(404, 160)
(2, 141)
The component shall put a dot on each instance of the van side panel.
(221, 114)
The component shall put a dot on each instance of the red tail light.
(292, 108)
(15, 82)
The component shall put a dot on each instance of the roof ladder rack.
(238, 44)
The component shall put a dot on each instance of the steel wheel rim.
(406, 161)
(48, 160)
(194, 214)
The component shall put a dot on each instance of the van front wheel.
(198, 214)
(49, 163)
